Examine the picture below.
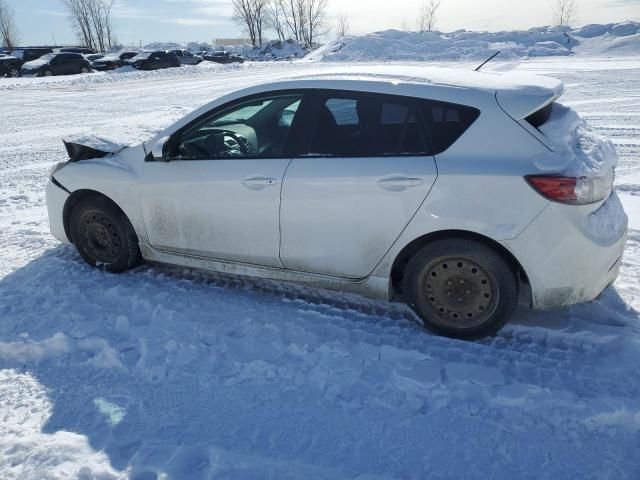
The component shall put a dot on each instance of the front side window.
(367, 126)
(252, 129)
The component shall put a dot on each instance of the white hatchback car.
(459, 192)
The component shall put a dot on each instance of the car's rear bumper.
(56, 200)
(570, 253)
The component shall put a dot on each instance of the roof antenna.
(487, 61)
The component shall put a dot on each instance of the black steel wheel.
(461, 288)
(14, 72)
(103, 235)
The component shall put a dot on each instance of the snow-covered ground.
(171, 373)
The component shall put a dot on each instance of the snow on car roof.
(518, 93)
(439, 76)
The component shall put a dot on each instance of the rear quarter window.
(446, 122)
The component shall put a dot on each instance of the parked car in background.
(92, 57)
(111, 61)
(10, 66)
(154, 60)
(82, 50)
(27, 54)
(440, 189)
(186, 57)
(56, 64)
(224, 57)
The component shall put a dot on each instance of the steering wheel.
(227, 143)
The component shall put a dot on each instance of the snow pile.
(273, 50)
(580, 150)
(622, 38)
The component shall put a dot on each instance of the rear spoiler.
(530, 95)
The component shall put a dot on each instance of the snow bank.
(273, 50)
(623, 38)
(580, 150)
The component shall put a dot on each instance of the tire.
(47, 73)
(14, 72)
(461, 288)
(84, 70)
(104, 236)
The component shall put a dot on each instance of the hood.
(90, 146)
(33, 64)
(106, 60)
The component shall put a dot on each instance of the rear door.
(363, 172)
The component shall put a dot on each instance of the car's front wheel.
(47, 73)
(461, 288)
(84, 70)
(104, 236)
(14, 72)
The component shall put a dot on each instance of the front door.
(219, 195)
(366, 170)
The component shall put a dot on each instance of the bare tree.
(428, 15)
(91, 19)
(343, 26)
(8, 30)
(564, 12)
(314, 20)
(275, 19)
(252, 16)
(293, 14)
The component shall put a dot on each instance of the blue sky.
(45, 21)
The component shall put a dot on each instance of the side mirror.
(158, 150)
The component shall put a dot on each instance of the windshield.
(142, 55)
(17, 53)
(111, 56)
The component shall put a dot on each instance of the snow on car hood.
(85, 147)
(579, 149)
(33, 64)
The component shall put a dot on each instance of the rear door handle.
(399, 183)
(258, 182)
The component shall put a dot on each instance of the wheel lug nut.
(459, 299)
(449, 282)
(468, 292)
(448, 294)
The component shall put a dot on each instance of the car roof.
(519, 93)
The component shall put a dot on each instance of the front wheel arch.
(74, 199)
(402, 259)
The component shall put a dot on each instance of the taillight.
(572, 190)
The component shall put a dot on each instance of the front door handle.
(399, 182)
(258, 182)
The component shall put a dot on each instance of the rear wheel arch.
(402, 259)
(75, 199)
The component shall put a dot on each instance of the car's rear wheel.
(104, 236)
(47, 73)
(14, 72)
(84, 70)
(461, 288)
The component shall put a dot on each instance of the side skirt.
(372, 287)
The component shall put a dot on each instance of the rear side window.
(540, 117)
(366, 126)
(446, 122)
